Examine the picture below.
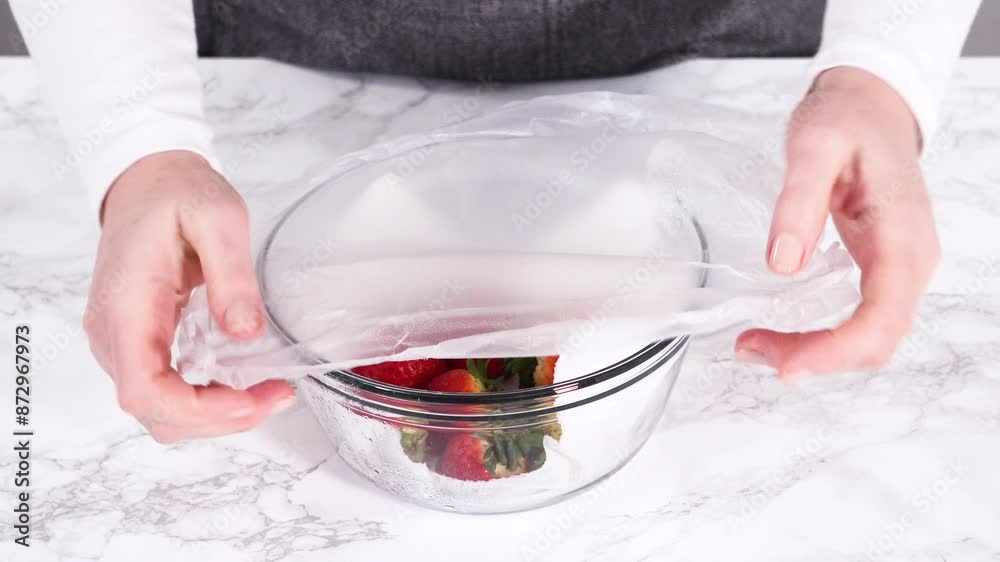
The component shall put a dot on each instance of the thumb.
(817, 158)
(220, 235)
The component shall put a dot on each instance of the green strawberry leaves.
(502, 452)
(414, 443)
(523, 368)
(478, 368)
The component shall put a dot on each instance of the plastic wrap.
(523, 233)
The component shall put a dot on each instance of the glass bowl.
(536, 445)
(563, 438)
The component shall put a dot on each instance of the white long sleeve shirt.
(121, 75)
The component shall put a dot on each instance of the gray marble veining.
(895, 465)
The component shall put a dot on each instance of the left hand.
(852, 151)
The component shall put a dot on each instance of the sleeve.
(911, 44)
(122, 79)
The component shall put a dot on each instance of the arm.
(121, 77)
(911, 45)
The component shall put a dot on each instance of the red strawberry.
(465, 458)
(545, 371)
(489, 455)
(482, 456)
(471, 379)
(411, 374)
(457, 380)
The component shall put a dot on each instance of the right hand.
(170, 223)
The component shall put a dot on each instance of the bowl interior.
(390, 256)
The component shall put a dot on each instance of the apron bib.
(507, 40)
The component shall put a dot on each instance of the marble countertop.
(896, 465)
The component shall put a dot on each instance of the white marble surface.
(740, 468)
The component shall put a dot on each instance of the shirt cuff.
(897, 70)
(106, 161)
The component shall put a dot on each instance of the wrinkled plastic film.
(522, 233)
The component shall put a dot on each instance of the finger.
(818, 156)
(866, 341)
(141, 323)
(220, 235)
(207, 409)
(166, 433)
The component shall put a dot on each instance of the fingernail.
(282, 405)
(751, 356)
(242, 319)
(786, 253)
(794, 375)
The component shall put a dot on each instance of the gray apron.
(508, 40)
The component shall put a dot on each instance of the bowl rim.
(670, 347)
(539, 399)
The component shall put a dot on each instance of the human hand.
(852, 152)
(170, 222)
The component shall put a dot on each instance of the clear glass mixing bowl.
(539, 444)
(592, 425)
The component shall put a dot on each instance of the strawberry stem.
(479, 369)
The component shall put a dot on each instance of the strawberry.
(466, 457)
(456, 380)
(481, 456)
(472, 379)
(411, 374)
(545, 371)
(490, 455)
